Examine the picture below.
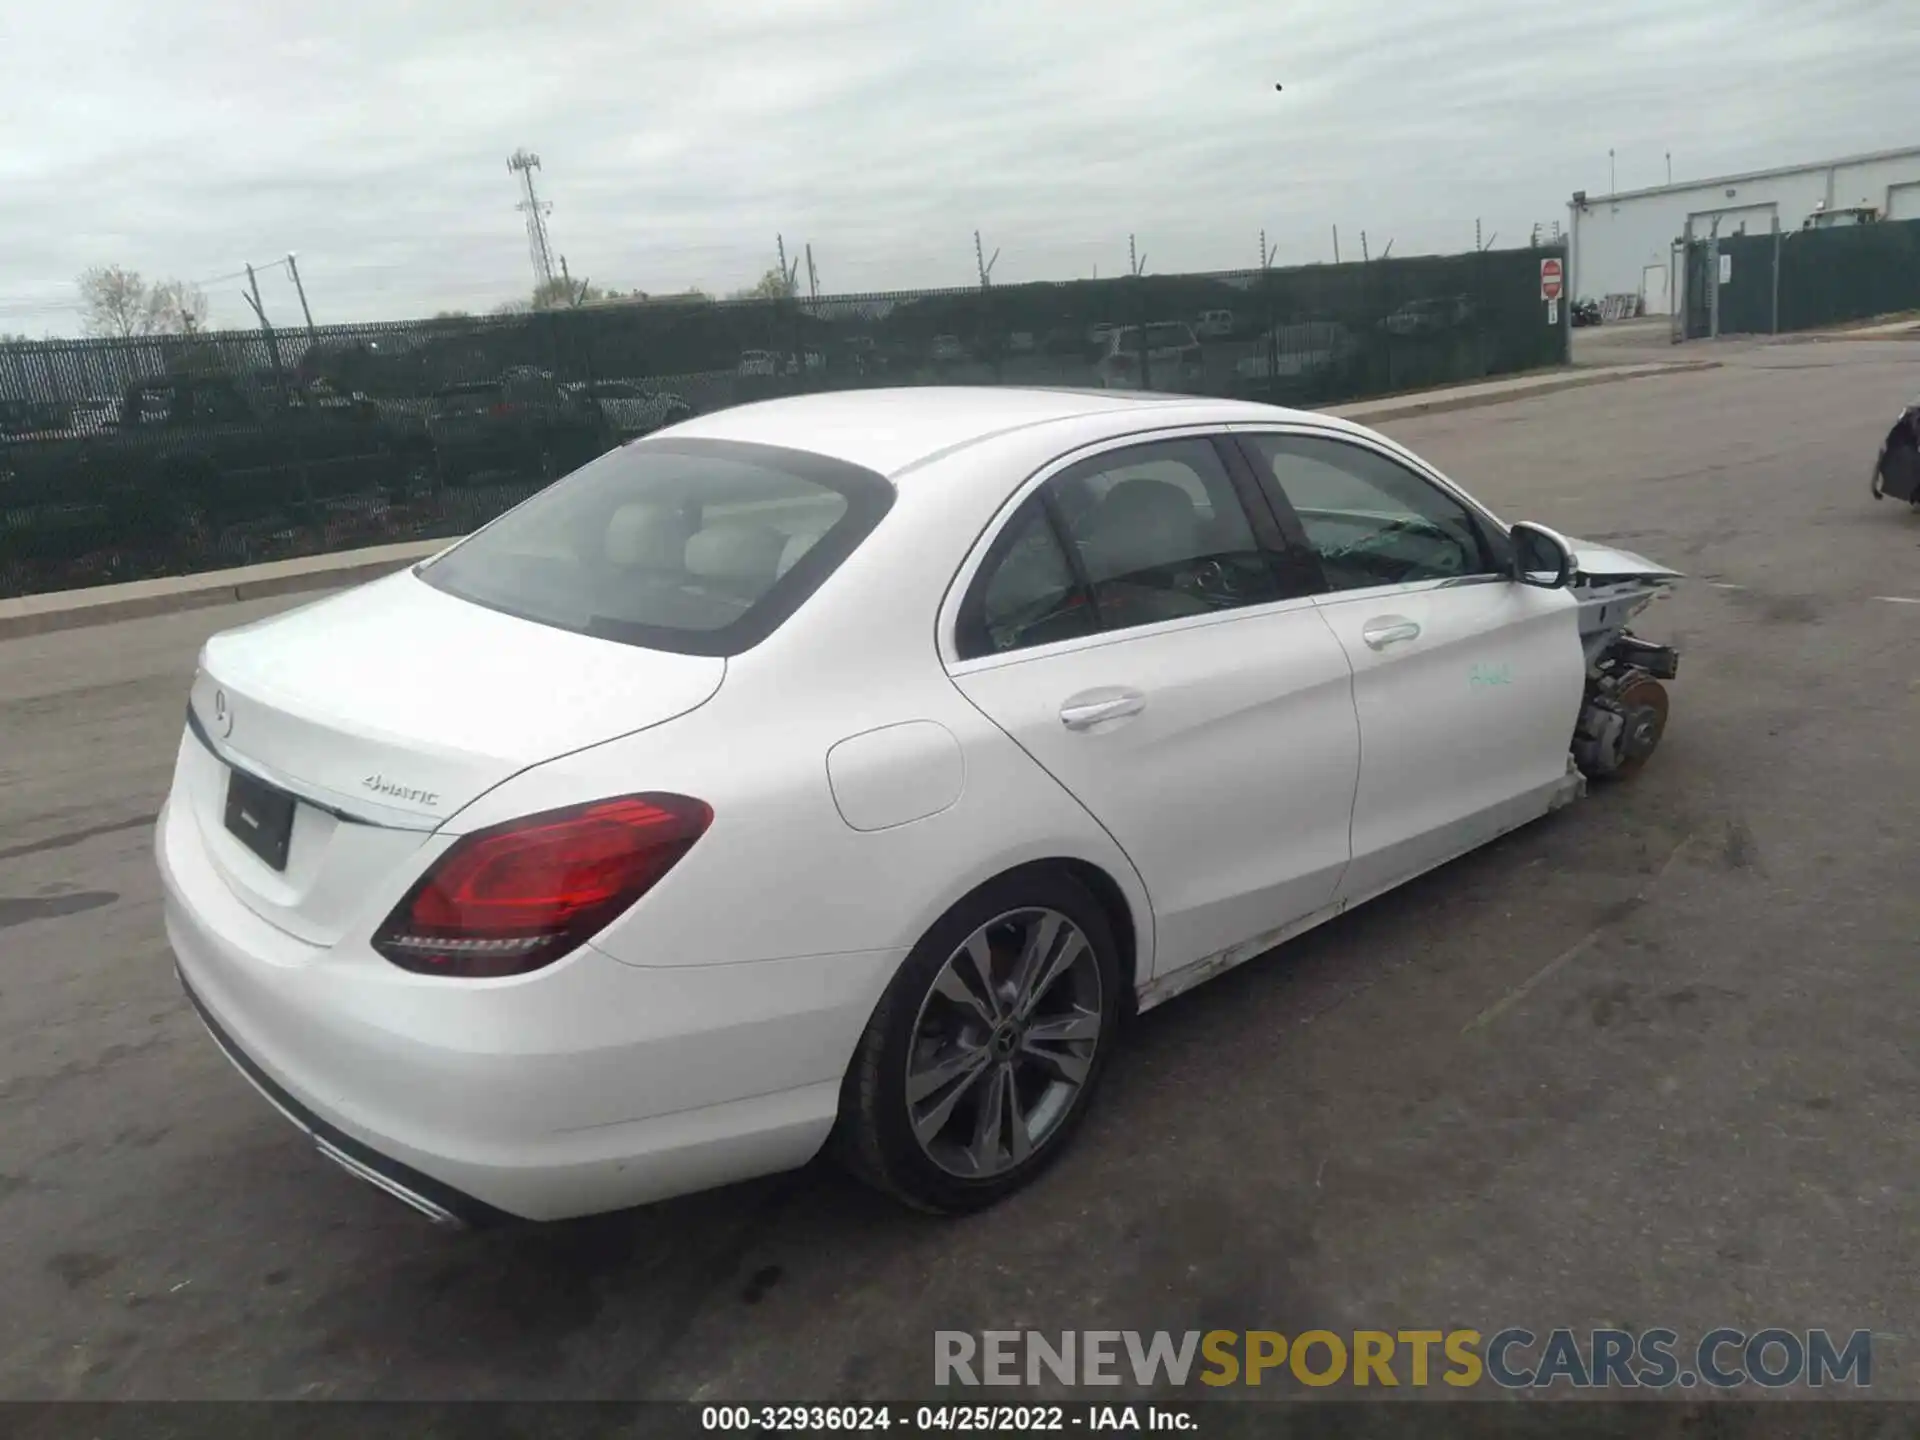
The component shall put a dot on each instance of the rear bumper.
(591, 1086)
(440, 1203)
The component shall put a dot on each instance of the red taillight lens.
(518, 896)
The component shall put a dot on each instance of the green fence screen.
(1824, 277)
(121, 460)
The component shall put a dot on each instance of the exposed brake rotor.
(1643, 703)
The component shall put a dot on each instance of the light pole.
(1612, 184)
(1669, 167)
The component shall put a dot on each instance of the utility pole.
(294, 271)
(1669, 167)
(1336, 244)
(1476, 234)
(1613, 185)
(984, 265)
(273, 344)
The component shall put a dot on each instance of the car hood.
(1595, 561)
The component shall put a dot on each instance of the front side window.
(1370, 519)
(1128, 538)
(697, 546)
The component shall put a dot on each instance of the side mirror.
(1541, 557)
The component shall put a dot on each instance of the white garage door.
(1903, 201)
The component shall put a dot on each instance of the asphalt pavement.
(1648, 1062)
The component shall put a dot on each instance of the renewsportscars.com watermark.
(1512, 1359)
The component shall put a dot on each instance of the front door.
(1467, 684)
(1142, 634)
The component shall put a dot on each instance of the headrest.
(652, 537)
(1139, 524)
(797, 545)
(736, 550)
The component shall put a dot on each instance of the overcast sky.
(184, 138)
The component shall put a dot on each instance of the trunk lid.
(384, 711)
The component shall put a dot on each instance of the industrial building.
(1623, 244)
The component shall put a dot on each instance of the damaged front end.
(1896, 469)
(1624, 711)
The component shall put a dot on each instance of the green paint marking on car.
(1490, 675)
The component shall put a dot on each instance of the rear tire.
(963, 1090)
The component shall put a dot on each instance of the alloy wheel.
(1004, 1043)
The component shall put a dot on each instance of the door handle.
(1387, 629)
(1083, 712)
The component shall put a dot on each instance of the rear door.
(1467, 685)
(1139, 627)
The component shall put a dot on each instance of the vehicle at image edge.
(179, 454)
(1430, 316)
(1215, 324)
(1300, 349)
(1896, 469)
(521, 422)
(845, 770)
(630, 410)
(1173, 358)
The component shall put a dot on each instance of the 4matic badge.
(380, 785)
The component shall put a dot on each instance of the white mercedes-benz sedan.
(854, 767)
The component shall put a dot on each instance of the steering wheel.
(1209, 580)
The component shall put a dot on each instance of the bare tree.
(561, 293)
(771, 286)
(178, 305)
(119, 303)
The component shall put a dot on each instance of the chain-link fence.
(125, 460)
(1777, 282)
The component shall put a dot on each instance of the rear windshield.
(697, 546)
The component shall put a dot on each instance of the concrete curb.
(1401, 407)
(107, 604)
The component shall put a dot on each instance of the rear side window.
(1129, 538)
(1028, 593)
(703, 547)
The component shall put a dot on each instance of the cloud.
(676, 142)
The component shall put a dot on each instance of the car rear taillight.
(518, 896)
